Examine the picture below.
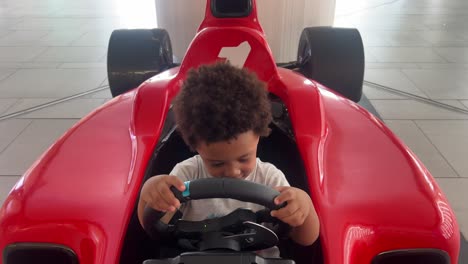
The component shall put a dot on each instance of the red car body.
(372, 194)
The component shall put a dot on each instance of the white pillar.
(283, 21)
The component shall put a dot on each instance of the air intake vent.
(23, 253)
(413, 256)
(231, 8)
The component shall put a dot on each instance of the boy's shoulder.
(194, 161)
(188, 169)
(269, 174)
(266, 166)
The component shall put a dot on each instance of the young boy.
(221, 112)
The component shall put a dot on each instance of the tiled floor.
(56, 48)
(49, 50)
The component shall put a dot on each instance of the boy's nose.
(233, 173)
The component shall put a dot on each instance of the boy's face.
(235, 158)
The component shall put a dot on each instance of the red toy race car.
(376, 201)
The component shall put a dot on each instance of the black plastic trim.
(217, 13)
(411, 256)
(25, 247)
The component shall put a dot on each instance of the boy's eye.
(243, 160)
(217, 165)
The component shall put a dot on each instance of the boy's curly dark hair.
(218, 102)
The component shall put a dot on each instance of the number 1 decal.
(236, 55)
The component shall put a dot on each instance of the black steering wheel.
(241, 230)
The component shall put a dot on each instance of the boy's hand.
(297, 208)
(157, 194)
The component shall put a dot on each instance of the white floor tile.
(450, 138)
(5, 72)
(465, 103)
(451, 44)
(459, 55)
(462, 219)
(450, 25)
(7, 23)
(376, 93)
(20, 54)
(445, 23)
(29, 65)
(9, 130)
(341, 21)
(440, 36)
(83, 65)
(25, 103)
(76, 108)
(131, 19)
(11, 15)
(455, 191)
(405, 54)
(4, 32)
(6, 184)
(106, 94)
(73, 54)
(405, 38)
(451, 66)
(31, 143)
(50, 24)
(413, 137)
(394, 79)
(27, 11)
(59, 38)
(85, 12)
(105, 82)
(410, 110)
(104, 59)
(50, 83)
(93, 38)
(5, 104)
(455, 103)
(444, 11)
(440, 83)
(373, 38)
(22, 38)
(374, 22)
(391, 65)
(369, 57)
(108, 25)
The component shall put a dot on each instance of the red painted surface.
(372, 194)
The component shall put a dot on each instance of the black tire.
(135, 55)
(333, 57)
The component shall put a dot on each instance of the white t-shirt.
(197, 210)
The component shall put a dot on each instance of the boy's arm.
(184, 170)
(307, 233)
(298, 213)
(140, 210)
(157, 194)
